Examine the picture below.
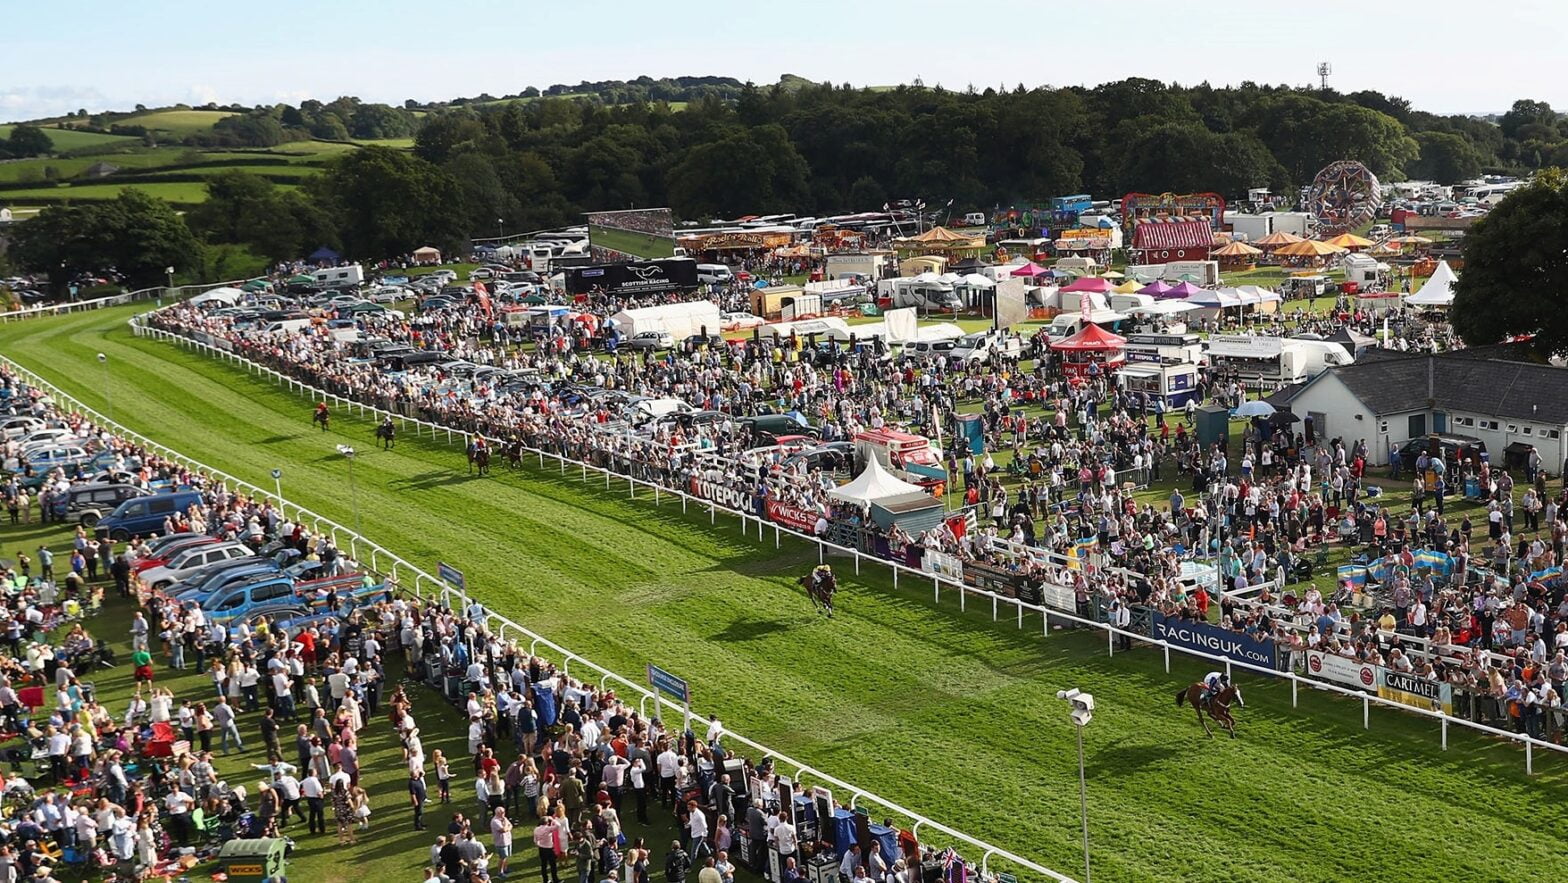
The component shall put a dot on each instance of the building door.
(1439, 421)
(1319, 423)
(1417, 425)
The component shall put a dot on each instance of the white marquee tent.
(1438, 290)
(875, 484)
(225, 295)
(680, 320)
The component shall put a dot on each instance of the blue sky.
(1444, 55)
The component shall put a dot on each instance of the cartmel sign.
(1214, 640)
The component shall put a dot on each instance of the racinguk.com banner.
(1214, 640)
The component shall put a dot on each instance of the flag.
(1552, 572)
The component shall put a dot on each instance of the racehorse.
(321, 416)
(820, 587)
(1217, 705)
(388, 435)
(514, 454)
(479, 458)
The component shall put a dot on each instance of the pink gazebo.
(1158, 288)
(1030, 270)
(1090, 284)
(1182, 290)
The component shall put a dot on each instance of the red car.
(162, 556)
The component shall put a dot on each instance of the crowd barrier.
(427, 587)
(900, 572)
(161, 292)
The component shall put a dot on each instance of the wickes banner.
(793, 517)
(1214, 641)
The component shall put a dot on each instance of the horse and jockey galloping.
(513, 452)
(321, 416)
(387, 433)
(820, 585)
(478, 456)
(1214, 694)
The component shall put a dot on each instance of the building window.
(1529, 430)
(1553, 433)
(1513, 427)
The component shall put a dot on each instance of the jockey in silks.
(821, 574)
(1213, 682)
(321, 410)
(475, 445)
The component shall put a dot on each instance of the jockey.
(1213, 682)
(821, 574)
(321, 409)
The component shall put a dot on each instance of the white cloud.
(37, 102)
(201, 93)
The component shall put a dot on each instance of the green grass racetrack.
(952, 715)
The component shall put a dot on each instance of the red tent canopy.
(1090, 338)
(1029, 270)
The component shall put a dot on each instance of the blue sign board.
(1214, 641)
(451, 575)
(668, 684)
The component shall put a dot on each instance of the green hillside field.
(949, 713)
(73, 139)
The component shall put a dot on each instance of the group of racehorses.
(820, 584)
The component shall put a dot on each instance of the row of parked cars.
(233, 583)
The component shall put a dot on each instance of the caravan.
(351, 276)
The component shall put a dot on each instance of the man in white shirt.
(315, 799)
(179, 805)
(667, 762)
(289, 790)
(697, 830)
(783, 836)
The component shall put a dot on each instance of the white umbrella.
(975, 280)
(1255, 408)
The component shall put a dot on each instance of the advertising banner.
(633, 278)
(1214, 640)
(1349, 672)
(793, 517)
(724, 495)
(1415, 691)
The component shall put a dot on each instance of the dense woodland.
(726, 149)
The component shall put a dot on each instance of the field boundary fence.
(428, 587)
(1023, 612)
(158, 292)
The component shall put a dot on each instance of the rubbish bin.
(259, 860)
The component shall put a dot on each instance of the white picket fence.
(426, 586)
(747, 521)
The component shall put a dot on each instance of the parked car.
(739, 321)
(649, 340)
(89, 502)
(145, 516)
(1454, 448)
(191, 560)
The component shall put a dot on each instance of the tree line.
(477, 169)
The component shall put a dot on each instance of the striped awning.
(1195, 233)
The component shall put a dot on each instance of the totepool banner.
(1351, 673)
(723, 494)
(1214, 640)
(1415, 691)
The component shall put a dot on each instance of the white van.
(709, 274)
(974, 219)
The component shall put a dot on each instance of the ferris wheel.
(1344, 195)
